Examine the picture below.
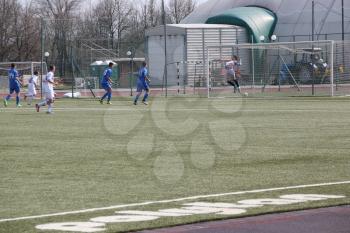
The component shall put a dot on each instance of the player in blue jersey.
(142, 84)
(106, 83)
(14, 85)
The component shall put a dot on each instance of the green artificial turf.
(88, 155)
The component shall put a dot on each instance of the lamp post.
(273, 38)
(262, 38)
(130, 54)
(46, 54)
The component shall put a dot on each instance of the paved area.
(326, 220)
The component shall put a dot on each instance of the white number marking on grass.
(142, 216)
(175, 200)
(75, 226)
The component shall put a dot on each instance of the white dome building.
(219, 24)
(293, 18)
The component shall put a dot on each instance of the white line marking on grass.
(172, 200)
(78, 109)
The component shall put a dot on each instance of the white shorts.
(31, 91)
(49, 94)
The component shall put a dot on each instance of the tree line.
(108, 23)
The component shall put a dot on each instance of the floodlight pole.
(165, 51)
(73, 79)
(332, 68)
(342, 21)
(313, 21)
(253, 63)
(42, 55)
(130, 54)
(313, 39)
(132, 72)
(343, 32)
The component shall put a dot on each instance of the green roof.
(258, 21)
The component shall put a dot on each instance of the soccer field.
(89, 160)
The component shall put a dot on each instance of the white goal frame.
(266, 46)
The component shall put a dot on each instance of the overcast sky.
(93, 1)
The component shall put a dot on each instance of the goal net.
(25, 71)
(272, 69)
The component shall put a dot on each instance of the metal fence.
(320, 68)
(78, 69)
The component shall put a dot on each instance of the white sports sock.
(49, 108)
(43, 103)
(30, 99)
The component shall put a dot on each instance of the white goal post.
(273, 69)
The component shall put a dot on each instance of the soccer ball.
(246, 94)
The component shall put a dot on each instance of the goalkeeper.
(233, 73)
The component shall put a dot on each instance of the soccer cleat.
(109, 102)
(135, 103)
(5, 103)
(101, 101)
(144, 102)
(49, 112)
(19, 105)
(37, 107)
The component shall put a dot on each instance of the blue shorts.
(106, 86)
(142, 86)
(15, 88)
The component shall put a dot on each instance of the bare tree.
(136, 30)
(27, 33)
(153, 14)
(179, 9)
(114, 19)
(59, 20)
(148, 15)
(7, 25)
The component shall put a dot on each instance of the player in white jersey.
(32, 86)
(48, 83)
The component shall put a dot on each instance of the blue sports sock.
(109, 96)
(137, 97)
(17, 100)
(145, 97)
(104, 96)
(8, 97)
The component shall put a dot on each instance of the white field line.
(172, 200)
(170, 110)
